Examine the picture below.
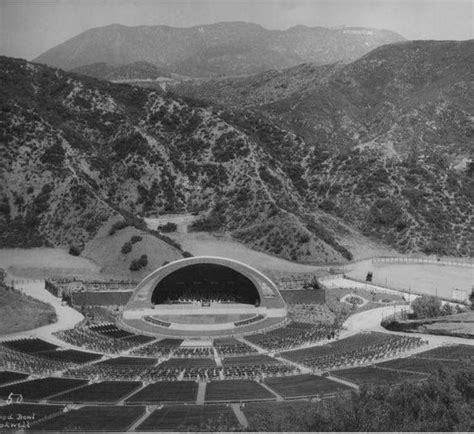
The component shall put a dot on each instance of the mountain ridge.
(214, 49)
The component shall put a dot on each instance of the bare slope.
(106, 251)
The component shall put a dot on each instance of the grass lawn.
(19, 312)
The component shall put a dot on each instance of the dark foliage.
(168, 227)
(138, 264)
(75, 250)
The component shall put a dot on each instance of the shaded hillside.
(76, 151)
(231, 48)
(388, 138)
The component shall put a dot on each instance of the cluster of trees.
(168, 227)
(428, 306)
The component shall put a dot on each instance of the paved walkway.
(239, 415)
(370, 320)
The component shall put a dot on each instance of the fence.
(458, 262)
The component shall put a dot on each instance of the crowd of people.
(82, 336)
(193, 352)
(311, 313)
(294, 335)
(124, 373)
(206, 295)
(339, 356)
(167, 373)
(232, 347)
(258, 371)
(18, 361)
(202, 373)
(161, 349)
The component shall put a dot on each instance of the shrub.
(75, 250)
(138, 264)
(136, 239)
(126, 248)
(168, 227)
(117, 226)
(187, 254)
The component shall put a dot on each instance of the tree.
(426, 306)
(74, 250)
(446, 309)
(138, 264)
(126, 248)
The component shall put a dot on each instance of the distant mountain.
(231, 48)
(388, 137)
(132, 71)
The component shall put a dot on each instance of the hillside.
(231, 48)
(377, 148)
(18, 312)
(388, 138)
(109, 253)
(131, 71)
(78, 151)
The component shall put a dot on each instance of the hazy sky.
(29, 27)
